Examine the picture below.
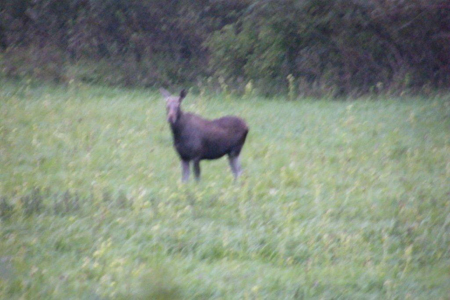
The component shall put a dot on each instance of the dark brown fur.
(196, 138)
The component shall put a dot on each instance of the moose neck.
(177, 126)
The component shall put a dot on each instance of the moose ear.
(165, 93)
(183, 94)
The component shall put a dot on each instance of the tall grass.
(338, 199)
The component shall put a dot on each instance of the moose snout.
(171, 117)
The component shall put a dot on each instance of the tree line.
(272, 46)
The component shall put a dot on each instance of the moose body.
(196, 138)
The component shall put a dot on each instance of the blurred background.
(337, 47)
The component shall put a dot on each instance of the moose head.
(173, 104)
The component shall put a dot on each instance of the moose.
(196, 138)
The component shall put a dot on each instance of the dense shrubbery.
(335, 47)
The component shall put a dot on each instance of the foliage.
(338, 199)
(336, 47)
(358, 46)
(145, 42)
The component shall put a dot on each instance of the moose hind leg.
(197, 169)
(185, 170)
(235, 165)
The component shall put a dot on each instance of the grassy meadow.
(338, 200)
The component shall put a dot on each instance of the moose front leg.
(235, 165)
(197, 169)
(185, 170)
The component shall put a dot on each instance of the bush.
(345, 46)
(340, 47)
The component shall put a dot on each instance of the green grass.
(339, 200)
